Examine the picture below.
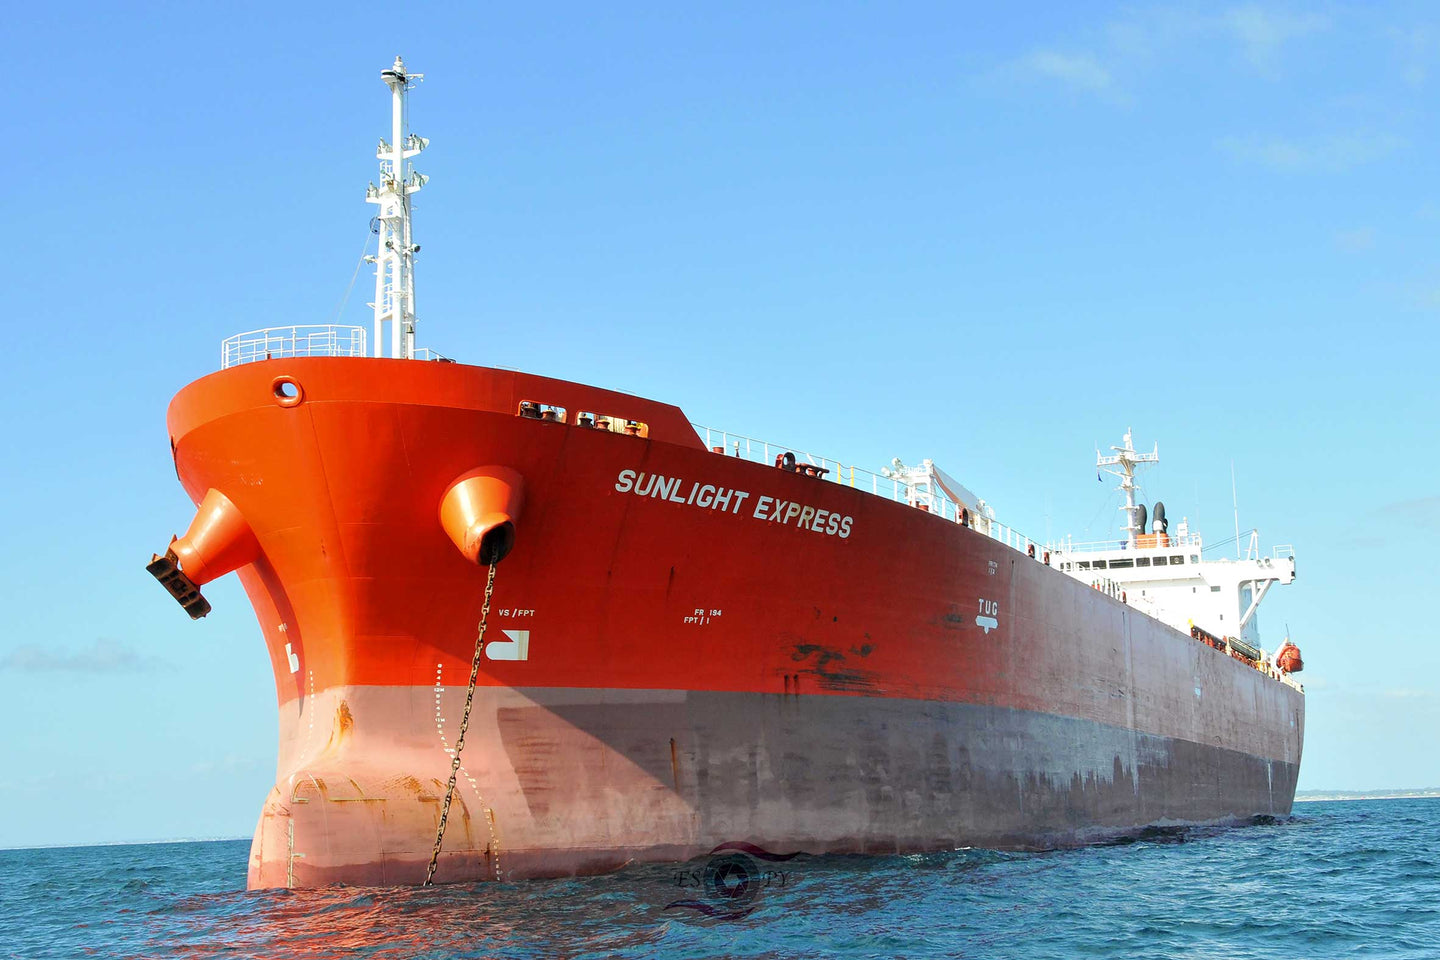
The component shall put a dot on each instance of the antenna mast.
(395, 259)
(1235, 501)
(1126, 459)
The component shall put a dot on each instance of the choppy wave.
(1340, 879)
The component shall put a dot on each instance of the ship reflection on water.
(620, 914)
(782, 906)
(1353, 875)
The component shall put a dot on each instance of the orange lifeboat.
(1287, 658)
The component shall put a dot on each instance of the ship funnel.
(219, 540)
(479, 511)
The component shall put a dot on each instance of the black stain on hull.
(830, 669)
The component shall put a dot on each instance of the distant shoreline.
(119, 843)
(1316, 797)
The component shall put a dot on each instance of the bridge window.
(1176, 561)
(1119, 564)
(1143, 561)
(1160, 561)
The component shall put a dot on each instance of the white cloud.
(103, 656)
(1334, 154)
(1095, 61)
(1077, 70)
(1355, 241)
(1426, 297)
(1408, 693)
(1261, 33)
(1359, 694)
(1421, 512)
(1416, 48)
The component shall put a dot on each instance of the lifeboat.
(1287, 658)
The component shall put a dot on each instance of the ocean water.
(1338, 879)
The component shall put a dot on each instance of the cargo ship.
(522, 627)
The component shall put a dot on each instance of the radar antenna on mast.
(1126, 458)
(395, 258)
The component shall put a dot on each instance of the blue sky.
(994, 237)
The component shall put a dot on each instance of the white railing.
(1096, 546)
(305, 340)
(891, 488)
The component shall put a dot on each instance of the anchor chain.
(464, 723)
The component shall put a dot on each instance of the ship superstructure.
(1168, 576)
(686, 637)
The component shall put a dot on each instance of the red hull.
(696, 672)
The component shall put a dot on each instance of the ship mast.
(395, 259)
(1126, 459)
